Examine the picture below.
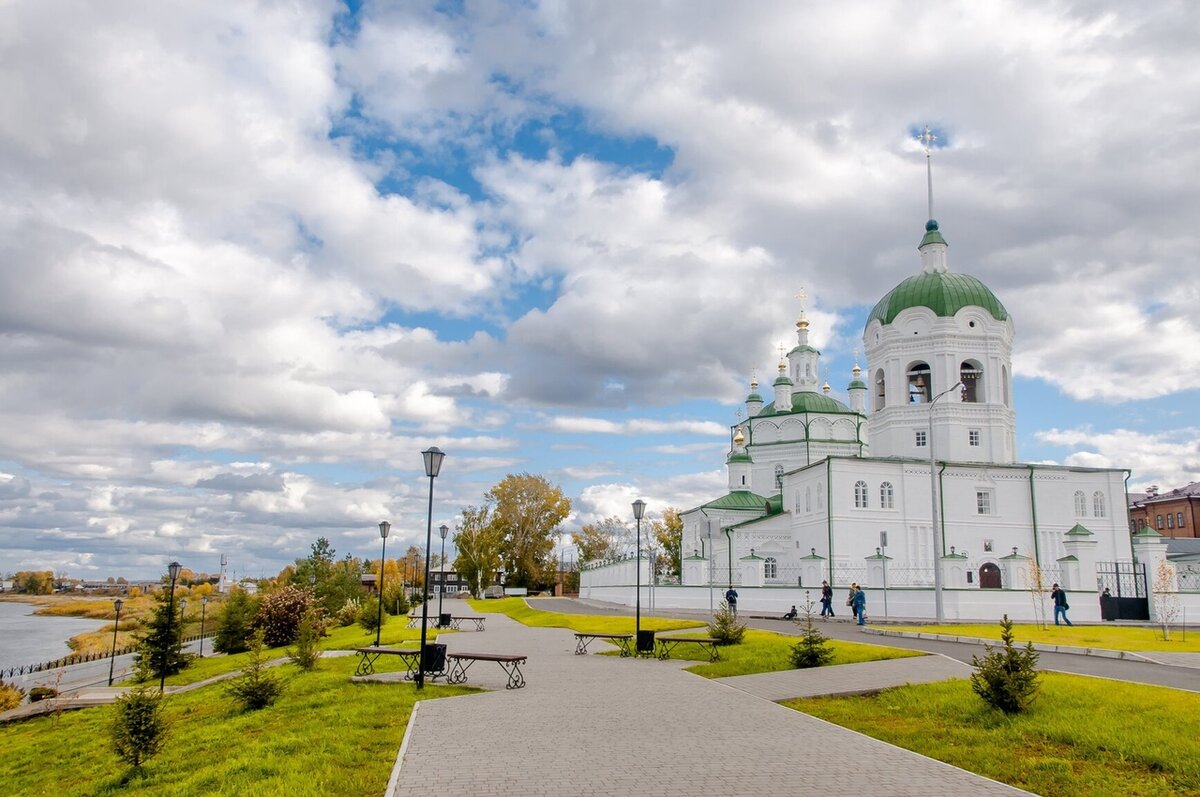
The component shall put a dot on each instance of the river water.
(29, 639)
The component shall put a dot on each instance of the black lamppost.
(203, 607)
(173, 569)
(639, 508)
(443, 530)
(113, 658)
(433, 463)
(384, 529)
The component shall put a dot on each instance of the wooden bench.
(621, 640)
(668, 643)
(461, 662)
(457, 620)
(368, 656)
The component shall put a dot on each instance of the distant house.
(1171, 514)
(447, 580)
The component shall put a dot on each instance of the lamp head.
(117, 604)
(433, 460)
(204, 600)
(443, 530)
(173, 569)
(385, 528)
(639, 509)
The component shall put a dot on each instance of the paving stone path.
(601, 725)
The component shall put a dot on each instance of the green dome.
(944, 293)
(805, 401)
(783, 380)
(857, 384)
(754, 397)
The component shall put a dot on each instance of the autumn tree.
(34, 582)
(668, 533)
(478, 546)
(597, 541)
(526, 511)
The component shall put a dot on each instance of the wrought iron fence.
(1189, 582)
(76, 658)
(1122, 579)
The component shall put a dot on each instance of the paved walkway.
(849, 679)
(599, 725)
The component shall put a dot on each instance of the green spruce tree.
(233, 629)
(160, 649)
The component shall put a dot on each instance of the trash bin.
(645, 641)
(433, 658)
(444, 620)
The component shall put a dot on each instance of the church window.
(1004, 383)
(920, 383)
(1159, 523)
(770, 568)
(860, 495)
(743, 481)
(921, 438)
(1080, 504)
(820, 497)
(971, 376)
(1170, 521)
(1098, 504)
(807, 499)
(983, 502)
(887, 497)
(778, 477)
(1179, 520)
(879, 389)
(797, 502)
(973, 437)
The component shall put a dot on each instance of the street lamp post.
(173, 569)
(112, 659)
(639, 508)
(937, 551)
(443, 530)
(433, 464)
(203, 608)
(561, 582)
(384, 529)
(711, 613)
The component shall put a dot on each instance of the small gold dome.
(739, 438)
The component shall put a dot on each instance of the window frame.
(860, 495)
(983, 502)
(921, 438)
(887, 496)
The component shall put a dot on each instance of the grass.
(1083, 736)
(326, 735)
(767, 651)
(519, 610)
(1083, 636)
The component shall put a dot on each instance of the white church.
(919, 470)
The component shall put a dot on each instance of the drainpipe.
(1037, 558)
(1128, 519)
(829, 511)
(729, 546)
(807, 442)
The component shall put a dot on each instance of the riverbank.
(30, 638)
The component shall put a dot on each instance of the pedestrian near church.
(850, 599)
(731, 599)
(1060, 605)
(826, 599)
(859, 603)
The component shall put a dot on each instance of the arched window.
(1098, 504)
(820, 497)
(807, 499)
(1080, 504)
(920, 383)
(1004, 383)
(886, 496)
(770, 568)
(970, 373)
(778, 477)
(879, 389)
(860, 495)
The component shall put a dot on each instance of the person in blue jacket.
(1060, 605)
(859, 604)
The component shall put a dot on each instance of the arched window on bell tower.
(970, 373)
(880, 393)
(779, 477)
(919, 383)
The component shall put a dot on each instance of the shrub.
(139, 728)
(306, 652)
(11, 696)
(813, 648)
(348, 614)
(725, 627)
(369, 617)
(394, 600)
(279, 615)
(42, 693)
(256, 687)
(233, 629)
(1006, 679)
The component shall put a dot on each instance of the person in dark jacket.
(1060, 605)
(859, 604)
(826, 599)
(731, 599)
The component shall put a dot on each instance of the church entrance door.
(989, 577)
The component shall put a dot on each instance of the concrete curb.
(1040, 647)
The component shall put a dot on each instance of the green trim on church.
(742, 499)
(807, 401)
(944, 293)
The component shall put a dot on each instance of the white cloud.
(1168, 459)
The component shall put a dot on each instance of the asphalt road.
(92, 673)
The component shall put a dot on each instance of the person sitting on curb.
(792, 614)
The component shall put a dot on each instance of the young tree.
(279, 614)
(599, 541)
(306, 652)
(478, 546)
(1035, 582)
(725, 626)
(1006, 679)
(1166, 597)
(233, 627)
(139, 729)
(668, 533)
(160, 649)
(256, 687)
(526, 512)
(813, 648)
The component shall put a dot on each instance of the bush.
(306, 652)
(139, 728)
(348, 614)
(233, 629)
(725, 627)
(279, 615)
(256, 687)
(1006, 679)
(813, 648)
(42, 693)
(394, 600)
(368, 617)
(11, 696)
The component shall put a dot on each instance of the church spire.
(927, 138)
(933, 245)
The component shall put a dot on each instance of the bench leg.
(624, 645)
(581, 645)
(458, 672)
(366, 664)
(515, 679)
(714, 654)
(478, 625)
(664, 652)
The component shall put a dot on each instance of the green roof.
(753, 397)
(802, 349)
(807, 401)
(738, 456)
(783, 380)
(741, 499)
(932, 236)
(1079, 531)
(945, 293)
(857, 384)
(775, 504)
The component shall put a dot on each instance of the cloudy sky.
(255, 256)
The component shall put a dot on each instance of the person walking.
(731, 599)
(850, 599)
(826, 599)
(859, 602)
(1060, 605)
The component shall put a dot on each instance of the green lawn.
(766, 651)
(326, 735)
(519, 610)
(1083, 736)
(1084, 636)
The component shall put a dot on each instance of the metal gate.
(1128, 597)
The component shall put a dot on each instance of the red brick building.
(1171, 514)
